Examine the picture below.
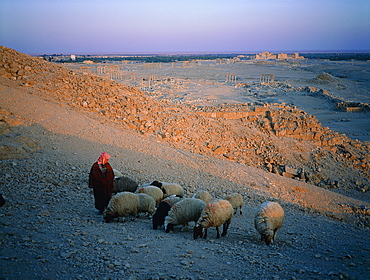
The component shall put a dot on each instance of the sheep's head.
(198, 231)
(155, 223)
(157, 184)
(160, 214)
(158, 220)
(267, 238)
(108, 217)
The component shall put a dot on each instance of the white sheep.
(146, 203)
(117, 173)
(124, 184)
(172, 199)
(125, 203)
(183, 212)
(236, 201)
(169, 188)
(203, 195)
(214, 214)
(120, 205)
(268, 219)
(163, 208)
(154, 192)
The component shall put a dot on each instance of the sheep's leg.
(274, 235)
(241, 212)
(225, 227)
(205, 233)
(218, 233)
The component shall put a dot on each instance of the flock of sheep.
(166, 203)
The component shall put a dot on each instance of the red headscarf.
(103, 159)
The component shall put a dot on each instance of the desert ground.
(50, 229)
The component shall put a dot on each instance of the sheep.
(169, 188)
(236, 201)
(117, 173)
(163, 209)
(153, 191)
(125, 203)
(268, 219)
(214, 214)
(182, 212)
(203, 195)
(146, 203)
(120, 205)
(124, 184)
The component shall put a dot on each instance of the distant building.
(73, 57)
(265, 56)
(297, 56)
(280, 56)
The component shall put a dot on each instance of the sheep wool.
(203, 195)
(172, 199)
(268, 219)
(214, 214)
(146, 203)
(117, 173)
(152, 191)
(183, 212)
(163, 209)
(120, 205)
(124, 184)
(169, 188)
(236, 201)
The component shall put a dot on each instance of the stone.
(291, 170)
(220, 150)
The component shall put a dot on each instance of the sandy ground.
(50, 229)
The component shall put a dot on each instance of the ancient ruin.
(255, 134)
(280, 56)
(266, 79)
(230, 78)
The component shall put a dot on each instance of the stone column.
(266, 79)
(230, 78)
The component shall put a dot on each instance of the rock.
(290, 170)
(67, 255)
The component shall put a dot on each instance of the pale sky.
(156, 26)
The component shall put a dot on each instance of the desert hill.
(56, 121)
(254, 135)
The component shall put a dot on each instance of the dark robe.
(102, 184)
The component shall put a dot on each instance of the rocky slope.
(255, 135)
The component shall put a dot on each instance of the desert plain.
(206, 83)
(190, 126)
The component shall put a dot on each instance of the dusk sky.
(170, 26)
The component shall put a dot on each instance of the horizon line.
(169, 53)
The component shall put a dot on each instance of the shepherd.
(101, 181)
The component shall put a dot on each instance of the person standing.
(101, 181)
